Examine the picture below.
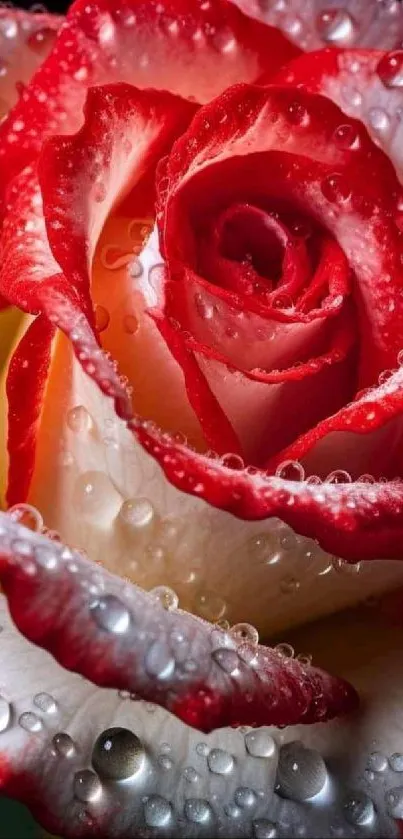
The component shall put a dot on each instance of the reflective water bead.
(390, 69)
(202, 749)
(30, 722)
(26, 515)
(209, 605)
(233, 461)
(40, 40)
(135, 269)
(336, 27)
(167, 598)
(394, 802)
(245, 797)
(228, 660)
(336, 188)
(159, 662)
(343, 567)
(377, 762)
(117, 754)
(130, 324)
(63, 744)
(87, 786)
(347, 136)
(264, 829)
(301, 772)
(110, 614)
(46, 703)
(285, 650)
(298, 114)
(79, 420)
(197, 810)
(379, 120)
(290, 470)
(396, 762)
(220, 762)
(358, 809)
(137, 513)
(102, 318)
(204, 309)
(5, 714)
(157, 811)
(245, 632)
(338, 476)
(190, 775)
(260, 743)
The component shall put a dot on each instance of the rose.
(291, 409)
(67, 303)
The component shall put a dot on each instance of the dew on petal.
(87, 786)
(118, 754)
(110, 614)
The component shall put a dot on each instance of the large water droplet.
(301, 772)
(260, 743)
(159, 662)
(396, 762)
(377, 762)
(228, 660)
(167, 598)
(390, 69)
(336, 27)
(137, 513)
(197, 810)
(118, 753)
(263, 829)
(358, 808)
(394, 802)
(79, 420)
(30, 722)
(87, 786)
(220, 762)
(110, 614)
(5, 714)
(336, 188)
(46, 703)
(347, 137)
(157, 811)
(27, 515)
(245, 633)
(245, 797)
(63, 744)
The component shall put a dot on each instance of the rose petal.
(190, 49)
(365, 84)
(319, 23)
(134, 640)
(51, 720)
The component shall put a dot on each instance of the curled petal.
(59, 598)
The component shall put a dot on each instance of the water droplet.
(336, 27)
(228, 660)
(378, 120)
(165, 762)
(338, 476)
(137, 513)
(190, 775)
(336, 188)
(202, 749)
(301, 772)
(46, 703)
(204, 309)
(209, 605)
(358, 808)
(117, 754)
(167, 598)
(233, 461)
(130, 324)
(63, 744)
(290, 470)
(285, 650)
(102, 318)
(289, 585)
(245, 797)
(394, 802)
(5, 714)
(263, 829)
(197, 810)
(110, 614)
(396, 762)
(30, 722)
(220, 762)
(377, 762)
(87, 786)
(27, 516)
(245, 632)
(343, 567)
(157, 811)
(79, 420)
(347, 137)
(297, 114)
(41, 40)
(260, 743)
(159, 662)
(390, 69)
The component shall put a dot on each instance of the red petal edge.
(129, 643)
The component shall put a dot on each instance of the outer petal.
(191, 49)
(317, 23)
(366, 84)
(172, 784)
(136, 639)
